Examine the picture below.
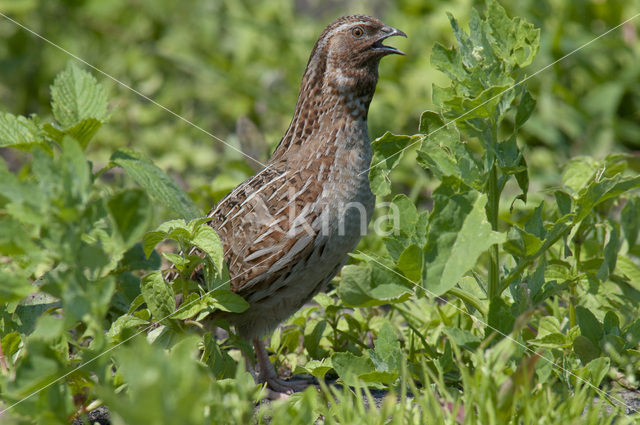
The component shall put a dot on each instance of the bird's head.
(357, 39)
(351, 46)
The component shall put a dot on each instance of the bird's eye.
(357, 32)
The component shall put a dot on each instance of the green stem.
(493, 207)
(469, 299)
(522, 265)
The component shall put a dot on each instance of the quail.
(288, 230)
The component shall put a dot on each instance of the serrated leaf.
(458, 234)
(387, 152)
(444, 154)
(598, 192)
(158, 295)
(82, 131)
(76, 95)
(207, 240)
(156, 182)
(18, 131)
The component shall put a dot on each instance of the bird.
(288, 230)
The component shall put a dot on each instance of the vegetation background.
(213, 62)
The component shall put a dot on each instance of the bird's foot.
(281, 389)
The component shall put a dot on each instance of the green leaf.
(585, 349)
(410, 262)
(131, 211)
(610, 252)
(207, 240)
(601, 191)
(158, 295)
(370, 284)
(83, 131)
(500, 317)
(151, 239)
(156, 182)
(76, 95)
(444, 154)
(387, 152)
(589, 326)
(629, 220)
(387, 354)
(630, 269)
(525, 108)
(118, 329)
(13, 287)
(228, 301)
(458, 234)
(595, 370)
(463, 338)
(578, 172)
(18, 131)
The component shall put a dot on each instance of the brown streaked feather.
(270, 225)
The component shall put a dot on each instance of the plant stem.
(469, 299)
(493, 207)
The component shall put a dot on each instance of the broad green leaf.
(499, 318)
(82, 131)
(595, 370)
(151, 239)
(371, 284)
(387, 152)
(228, 301)
(350, 367)
(156, 182)
(131, 212)
(13, 287)
(410, 262)
(387, 354)
(123, 324)
(601, 191)
(207, 240)
(458, 234)
(444, 154)
(18, 131)
(158, 295)
(590, 327)
(463, 338)
(578, 172)
(585, 349)
(77, 95)
(630, 269)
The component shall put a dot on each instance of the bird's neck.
(331, 101)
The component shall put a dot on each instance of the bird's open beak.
(387, 32)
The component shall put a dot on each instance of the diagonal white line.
(504, 91)
(129, 87)
(598, 390)
(97, 356)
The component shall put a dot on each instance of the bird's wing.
(267, 225)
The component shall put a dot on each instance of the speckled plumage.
(287, 231)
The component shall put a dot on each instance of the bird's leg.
(267, 373)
